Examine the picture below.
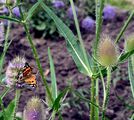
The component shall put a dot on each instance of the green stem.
(5, 44)
(92, 107)
(5, 92)
(124, 27)
(37, 60)
(106, 97)
(17, 96)
(97, 100)
(99, 10)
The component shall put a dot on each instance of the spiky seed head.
(129, 43)
(13, 68)
(107, 52)
(34, 110)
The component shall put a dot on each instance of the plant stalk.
(37, 60)
(92, 107)
(17, 96)
(106, 97)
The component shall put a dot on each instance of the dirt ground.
(66, 71)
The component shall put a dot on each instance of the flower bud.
(107, 52)
(129, 43)
(34, 110)
(13, 68)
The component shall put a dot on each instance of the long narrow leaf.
(32, 9)
(53, 76)
(73, 44)
(9, 18)
(131, 75)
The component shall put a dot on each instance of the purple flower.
(13, 69)
(70, 12)
(16, 11)
(109, 12)
(58, 4)
(2, 1)
(88, 23)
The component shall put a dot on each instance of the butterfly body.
(26, 78)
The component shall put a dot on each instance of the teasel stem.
(5, 43)
(92, 107)
(106, 97)
(35, 53)
(17, 97)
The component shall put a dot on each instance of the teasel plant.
(92, 66)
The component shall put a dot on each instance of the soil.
(66, 72)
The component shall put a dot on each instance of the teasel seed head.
(34, 110)
(129, 43)
(107, 52)
(13, 68)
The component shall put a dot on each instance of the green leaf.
(10, 110)
(10, 19)
(73, 44)
(125, 56)
(56, 104)
(131, 74)
(53, 76)
(32, 9)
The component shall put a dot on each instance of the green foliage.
(124, 4)
(42, 23)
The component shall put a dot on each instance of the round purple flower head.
(34, 110)
(16, 11)
(70, 12)
(88, 23)
(58, 4)
(109, 12)
(13, 68)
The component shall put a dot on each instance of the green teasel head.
(107, 52)
(34, 110)
(129, 43)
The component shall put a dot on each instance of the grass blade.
(53, 76)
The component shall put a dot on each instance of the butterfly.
(26, 78)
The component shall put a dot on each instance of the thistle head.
(109, 12)
(13, 68)
(129, 43)
(34, 110)
(70, 12)
(88, 23)
(107, 52)
(58, 4)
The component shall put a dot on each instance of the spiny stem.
(17, 96)
(37, 61)
(106, 97)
